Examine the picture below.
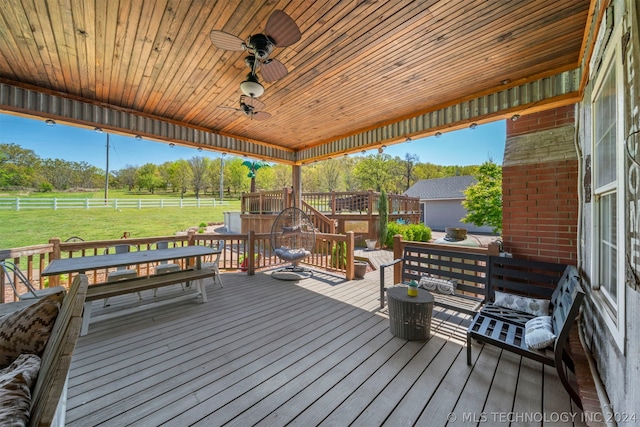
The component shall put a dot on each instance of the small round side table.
(410, 317)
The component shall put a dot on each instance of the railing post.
(397, 254)
(370, 203)
(333, 202)
(251, 264)
(54, 254)
(350, 248)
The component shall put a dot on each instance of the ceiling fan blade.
(253, 102)
(227, 108)
(282, 29)
(273, 70)
(261, 115)
(226, 41)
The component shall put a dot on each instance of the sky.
(462, 147)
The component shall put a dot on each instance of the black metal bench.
(505, 328)
(469, 268)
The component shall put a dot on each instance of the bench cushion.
(534, 306)
(28, 330)
(539, 333)
(16, 380)
(442, 286)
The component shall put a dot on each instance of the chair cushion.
(534, 306)
(539, 333)
(292, 254)
(28, 330)
(16, 382)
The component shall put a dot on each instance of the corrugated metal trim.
(28, 101)
(483, 107)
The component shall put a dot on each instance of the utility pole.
(106, 176)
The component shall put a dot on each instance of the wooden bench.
(468, 266)
(505, 327)
(111, 289)
(48, 400)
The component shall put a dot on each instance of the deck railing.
(333, 203)
(245, 252)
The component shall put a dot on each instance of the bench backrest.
(56, 358)
(525, 277)
(469, 269)
(565, 304)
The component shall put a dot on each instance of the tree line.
(199, 176)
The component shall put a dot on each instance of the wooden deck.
(314, 352)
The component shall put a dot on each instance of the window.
(608, 234)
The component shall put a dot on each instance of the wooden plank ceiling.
(359, 65)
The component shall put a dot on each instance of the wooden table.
(87, 263)
(121, 287)
(410, 317)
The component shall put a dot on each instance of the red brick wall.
(540, 198)
(540, 121)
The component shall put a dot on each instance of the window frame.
(613, 311)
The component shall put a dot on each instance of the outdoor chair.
(164, 267)
(121, 273)
(211, 262)
(292, 239)
(15, 276)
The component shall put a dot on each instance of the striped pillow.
(27, 331)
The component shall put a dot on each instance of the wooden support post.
(350, 258)
(398, 248)
(55, 254)
(251, 264)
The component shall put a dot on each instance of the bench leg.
(203, 292)
(86, 318)
(468, 349)
(560, 368)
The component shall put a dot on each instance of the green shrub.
(411, 232)
(45, 187)
(383, 212)
(339, 255)
(203, 225)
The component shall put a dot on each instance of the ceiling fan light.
(251, 87)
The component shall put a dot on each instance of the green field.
(33, 227)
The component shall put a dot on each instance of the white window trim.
(614, 321)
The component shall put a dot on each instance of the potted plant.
(359, 269)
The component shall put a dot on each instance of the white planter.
(371, 244)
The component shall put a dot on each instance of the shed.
(441, 202)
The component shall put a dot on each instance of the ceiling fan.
(280, 31)
(250, 106)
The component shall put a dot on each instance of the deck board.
(269, 352)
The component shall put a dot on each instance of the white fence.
(16, 203)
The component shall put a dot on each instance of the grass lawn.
(33, 227)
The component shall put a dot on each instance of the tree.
(148, 177)
(126, 177)
(253, 168)
(17, 166)
(199, 166)
(484, 199)
(180, 175)
(235, 174)
(410, 160)
(372, 172)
